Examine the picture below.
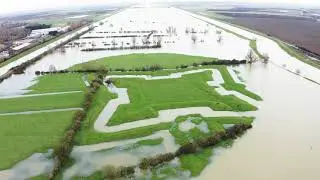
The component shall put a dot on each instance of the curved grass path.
(169, 115)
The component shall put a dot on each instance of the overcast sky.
(8, 6)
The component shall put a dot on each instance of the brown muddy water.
(284, 143)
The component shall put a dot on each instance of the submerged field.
(23, 135)
(40, 131)
(147, 98)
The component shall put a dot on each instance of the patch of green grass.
(215, 125)
(60, 101)
(133, 61)
(148, 97)
(164, 172)
(23, 135)
(230, 84)
(197, 120)
(88, 135)
(297, 54)
(40, 177)
(195, 163)
(253, 45)
(95, 176)
(150, 142)
(58, 83)
(92, 137)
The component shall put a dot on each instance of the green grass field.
(150, 142)
(23, 135)
(230, 84)
(88, 135)
(58, 83)
(195, 163)
(60, 101)
(148, 97)
(133, 61)
(297, 54)
(253, 45)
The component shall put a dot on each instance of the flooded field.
(284, 141)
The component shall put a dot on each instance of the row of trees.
(146, 41)
(251, 57)
(112, 172)
(62, 152)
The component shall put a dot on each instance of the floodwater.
(142, 19)
(284, 143)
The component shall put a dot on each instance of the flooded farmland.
(283, 143)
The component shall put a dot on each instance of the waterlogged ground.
(282, 145)
(231, 47)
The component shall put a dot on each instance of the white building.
(4, 54)
(43, 32)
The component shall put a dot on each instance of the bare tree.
(193, 31)
(187, 30)
(134, 41)
(251, 57)
(52, 68)
(219, 40)
(194, 38)
(159, 41)
(113, 42)
(63, 49)
(93, 44)
(265, 58)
